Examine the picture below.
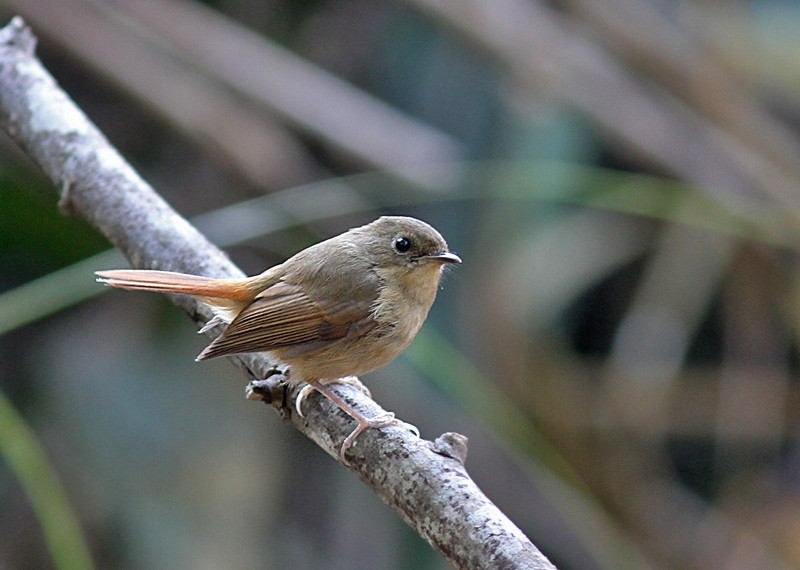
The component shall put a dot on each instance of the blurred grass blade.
(454, 373)
(54, 292)
(26, 458)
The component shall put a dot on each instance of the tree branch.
(425, 482)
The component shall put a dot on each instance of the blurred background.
(622, 180)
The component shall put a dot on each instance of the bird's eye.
(402, 244)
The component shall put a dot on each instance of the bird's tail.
(170, 282)
(226, 297)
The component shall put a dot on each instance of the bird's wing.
(284, 316)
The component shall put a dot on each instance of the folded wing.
(284, 317)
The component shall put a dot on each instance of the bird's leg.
(308, 388)
(383, 420)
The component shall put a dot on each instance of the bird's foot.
(383, 420)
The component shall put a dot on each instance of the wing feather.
(284, 316)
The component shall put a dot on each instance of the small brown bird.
(342, 307)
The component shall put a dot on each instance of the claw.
(213, 321)
(410, 427)
(301, 396)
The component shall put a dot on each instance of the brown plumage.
(342, 307)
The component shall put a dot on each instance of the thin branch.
(425, 482)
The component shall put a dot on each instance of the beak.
(446, 257)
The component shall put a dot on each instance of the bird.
(338, 309)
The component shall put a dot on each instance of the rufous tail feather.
(170, 282)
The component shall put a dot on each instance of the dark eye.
(402, 244)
